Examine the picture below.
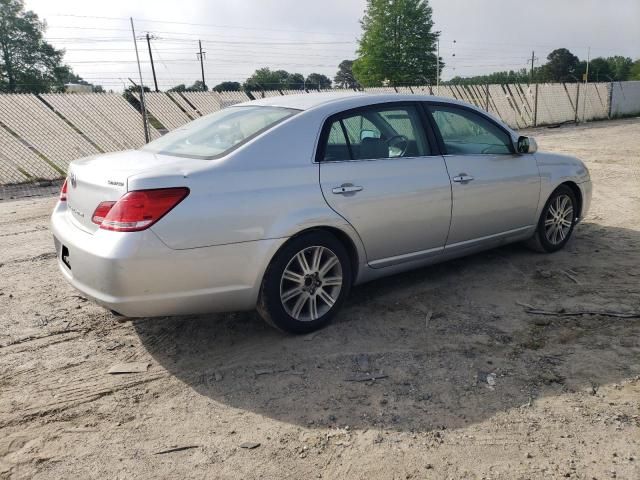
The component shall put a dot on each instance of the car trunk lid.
(104, 178)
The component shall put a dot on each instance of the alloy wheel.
(311, 283)
(559, 219)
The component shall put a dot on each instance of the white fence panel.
(85, 120)
(231, 98)
(164, 109)
(41, 128)
(19, 163)
(625, 98)
(205, 102)
(557, 103)
(184, 105)
(596, 102)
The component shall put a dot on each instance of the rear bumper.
(137, 275)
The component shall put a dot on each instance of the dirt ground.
(481, 389)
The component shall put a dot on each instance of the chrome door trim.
(407, 257)
(488, 237)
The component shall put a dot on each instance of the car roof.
(337, 101)
(307, 101)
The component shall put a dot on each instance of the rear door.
(379, 172)
(495, 191)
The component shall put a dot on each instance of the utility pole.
(533, 58)
(153, 69)
(201, 57)
(586, 81)
(142, 104)
(535, 100)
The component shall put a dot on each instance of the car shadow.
(440, 347)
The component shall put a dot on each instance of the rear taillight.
(138, 210)
(101, 212)
(63, 191)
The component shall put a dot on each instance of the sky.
(239, 36)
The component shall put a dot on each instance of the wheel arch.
(578, 194)
(344, 238)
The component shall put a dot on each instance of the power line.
(187, 33)
(236, 27)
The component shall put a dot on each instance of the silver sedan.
(284, 204)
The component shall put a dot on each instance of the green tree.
(267, 79)
(634, 71)
(511, 76)
(295, 81)
(227, 87)
(344, 77)
(319, 81)
(27, 62)
(620, 67)
(561, 66)
(599, 70)
(198, 86)
(264, 79)
(398, 44)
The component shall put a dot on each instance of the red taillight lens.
(139, 209)
(101, 212)
(63, 191)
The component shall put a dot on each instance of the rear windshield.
(217, 134)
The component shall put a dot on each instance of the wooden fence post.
(577, 101)
(535, 109)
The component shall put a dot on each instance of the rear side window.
(217, 134)
(376, 133)
(337, 147)
(468, 133)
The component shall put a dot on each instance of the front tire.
(306, 283)
(557, 220)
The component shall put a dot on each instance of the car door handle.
(463, 178)
(346, 188)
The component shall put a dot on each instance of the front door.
(378, 173)
(495, 191)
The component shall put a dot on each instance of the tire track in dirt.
(85, 393)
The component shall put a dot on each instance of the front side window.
(375, 133)
(217, 134)
(468, 133)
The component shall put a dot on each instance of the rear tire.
(306, 283)
(556, 222)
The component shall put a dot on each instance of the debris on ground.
(130, 367)
(366, 378)
(362, 362)
(573, 313)
(249, 445)
(176, 449)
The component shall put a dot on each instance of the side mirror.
(367, 134)
(526, 145)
